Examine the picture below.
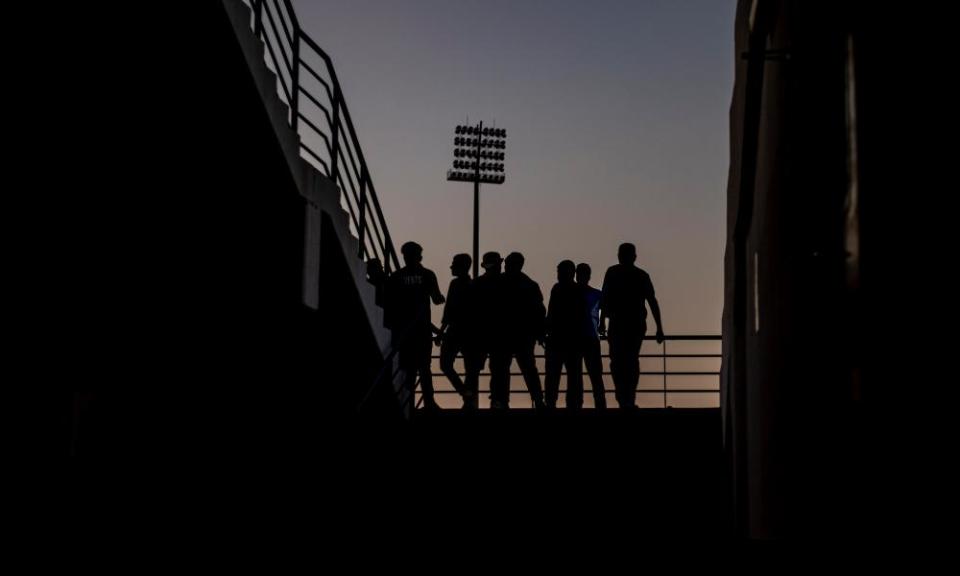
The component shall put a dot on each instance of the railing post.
(665, 373)
(363, 210)
(388, 252)
(258, 18)
(335, 132)
(295, 82)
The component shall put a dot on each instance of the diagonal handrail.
(286, 44)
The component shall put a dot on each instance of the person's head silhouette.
(491, 262)
(461, 265)
(513, 263)
(627, 254)
(375, 271)
(566, 270)
(583, 273)
(412, 253)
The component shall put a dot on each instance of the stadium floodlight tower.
(478, 156)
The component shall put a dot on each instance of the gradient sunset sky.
(617, 121)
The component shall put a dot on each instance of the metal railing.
(317, 112)
(665, 373)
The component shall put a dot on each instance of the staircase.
(302, 96)
(333, 178)
(252, 330)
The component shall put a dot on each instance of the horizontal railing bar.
(287, 61)
(374, 250)
(314, 46)
(280, 78)
(394, 261)
(283, 21)
(564, 373)
(590, 391)
(540, 356)
(353, 187)
(677, 355)
(350, 175)
(379, 233)
(349, 125)
(317, 158)
(315, 129)
(322, 108)
(352, 157)
(355, 173)
(350, 205)
(289, 34)
(316, 75)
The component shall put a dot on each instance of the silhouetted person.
(525, 317)
(378, 278)
(626, 291)
(455, 328)
(408, 295)
(488, 320)
(566, 320)
(591, 336)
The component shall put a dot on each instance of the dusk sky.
(617, 120)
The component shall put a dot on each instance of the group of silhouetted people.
(500, 316)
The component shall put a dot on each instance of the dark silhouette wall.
(820, 168)
(222, 308)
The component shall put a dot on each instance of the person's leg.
(632, 360)
(594, 363)
(573, 360)
(423, 350)
(426, 387)
(407, 364)
(551, 382)
(531, 376)
(500, 361)
(474, 359)
(617, 355)
(448, 355)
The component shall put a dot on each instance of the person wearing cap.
(455, 329)
(626, 291)
(488, 325)
(408, 295)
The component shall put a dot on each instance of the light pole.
(478, 157)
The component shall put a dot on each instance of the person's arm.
(604, 298)
(541, 313)
(435, 293)
(445, 320)
(550, 318)
(655, 310)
